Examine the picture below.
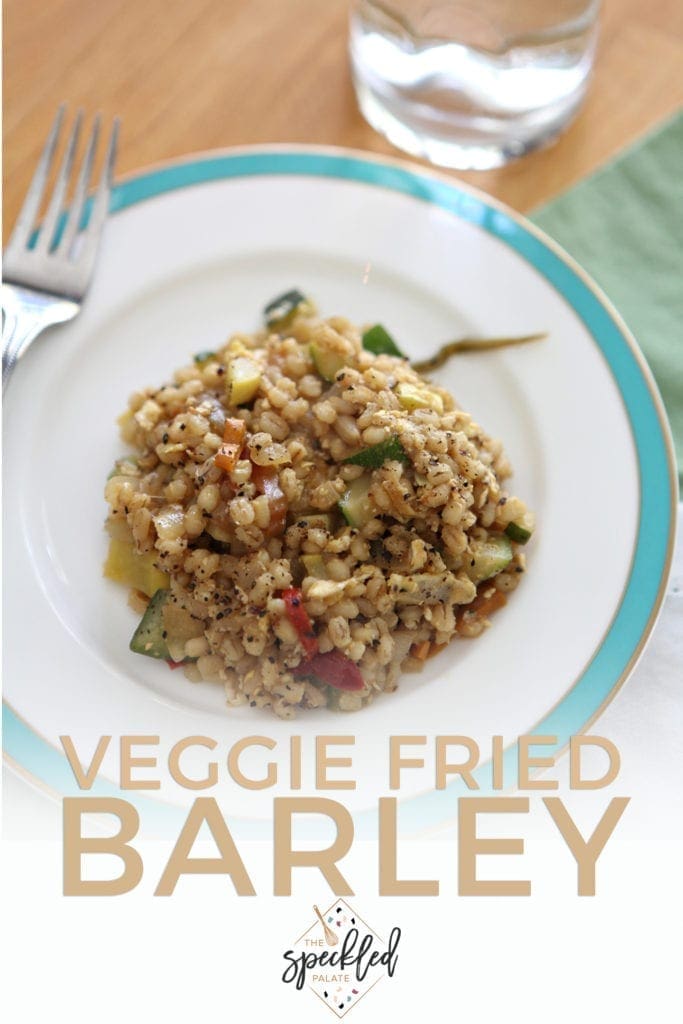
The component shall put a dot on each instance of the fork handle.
(27, 314)
(17, 335)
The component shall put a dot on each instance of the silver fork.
(45, 284)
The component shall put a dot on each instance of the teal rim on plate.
(644, 591)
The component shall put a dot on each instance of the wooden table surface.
(190, 75)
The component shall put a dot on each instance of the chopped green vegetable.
(242, 380)
(327, 362)
(202, 358)
(517, 532)
(376, 454)
(378, 341)
(487, 558)
(126, 565)
(355, 506)
(149, 637)
(315, 566)
(411, 397)
(452, 348)
(333, 696)
(282, 310)
(420, 588)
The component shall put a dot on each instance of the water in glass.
(471, 85)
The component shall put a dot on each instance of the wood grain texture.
(191, 75)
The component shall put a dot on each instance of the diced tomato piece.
(298, 616)
(332, 668)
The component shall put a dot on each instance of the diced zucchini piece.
(149, 638)
(411, 397)
(356, 506)
(377, 454)
(332, 695)
(427, 588)
(242, 380)
(179, 623)
(488, 558)
(281, 311)
(315, 566)
(519, 532)
(327, 362)
(202, 358)
(125, 565)
(378, 341)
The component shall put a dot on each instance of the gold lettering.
(85, 779)
(444, 769)
(323, 762)
(389, 883)
(576, 744)
(270, 777)
(179, 775)
(295, 762)
(75, 845)
(526, 762)
(586, 852)
(128, 762)
(471, 846)
(325, 860)
(497, 762)
(396, 762)
(205, 809)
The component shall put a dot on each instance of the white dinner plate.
(192, 252)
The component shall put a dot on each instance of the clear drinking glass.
(471, 85)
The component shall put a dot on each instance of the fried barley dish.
(305, 516)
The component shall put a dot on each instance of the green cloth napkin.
(624, 225)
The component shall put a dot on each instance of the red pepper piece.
(175, 664)
(333, 668)
(298, 616)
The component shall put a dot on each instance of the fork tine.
(76, 212)
(100, 208)
(49, 225)
(29, 210)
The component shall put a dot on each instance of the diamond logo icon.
(340, 958)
